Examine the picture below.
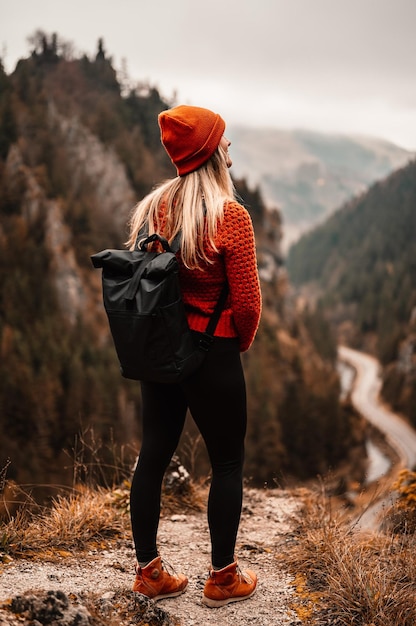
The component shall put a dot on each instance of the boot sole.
(217, 603)
(162, 595)
(169, 595)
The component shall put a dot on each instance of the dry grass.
(75, 517)
(87, 512)
(86, 517)
(347, 578)
(70, 524)
(401, 517)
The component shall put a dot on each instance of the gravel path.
(183, 542)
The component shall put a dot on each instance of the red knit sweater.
(235, 262)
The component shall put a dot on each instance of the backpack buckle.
(205, 342)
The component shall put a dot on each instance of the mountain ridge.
(308, 174)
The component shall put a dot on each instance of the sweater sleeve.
(238, 243)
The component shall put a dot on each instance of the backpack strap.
(143, 239)
(208, 336)
(155, 237)
(134, 283)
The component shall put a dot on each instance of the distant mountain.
(360, 266)
(308, 175)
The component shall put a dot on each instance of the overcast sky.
(345, 66)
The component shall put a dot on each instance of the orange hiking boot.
(227, 585)
(156, 583)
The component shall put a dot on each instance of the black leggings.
(216, 398)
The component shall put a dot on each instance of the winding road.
(365, 397)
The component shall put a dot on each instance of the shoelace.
(168, 568)
(165, 566)
(243, 576)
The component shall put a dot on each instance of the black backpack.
(146, 313)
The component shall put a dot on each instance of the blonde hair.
(194, 205)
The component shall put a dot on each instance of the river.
(361, 371)
(378, 463)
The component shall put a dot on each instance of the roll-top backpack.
(146, 313)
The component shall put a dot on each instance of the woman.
(217, 247)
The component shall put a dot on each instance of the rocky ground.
(95, 589)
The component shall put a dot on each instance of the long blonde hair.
(194, 205)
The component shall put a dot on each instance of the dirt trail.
(183, 542)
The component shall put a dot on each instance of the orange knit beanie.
(190, 136)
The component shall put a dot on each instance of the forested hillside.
(77, 149)
(361, 268)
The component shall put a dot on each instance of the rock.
(53, 607)
(109, 595)
(177, 479)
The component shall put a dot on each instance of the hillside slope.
(361, 265)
